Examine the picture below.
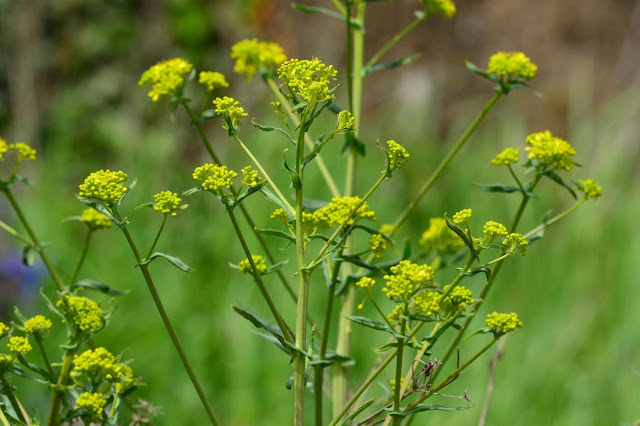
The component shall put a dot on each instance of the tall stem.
(62, 381)
(155, 240)
(398, 377)
(83, 256)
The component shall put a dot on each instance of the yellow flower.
(95, 220)
(99, 363)
(3, 147)
(85, 314)
(337, 211)
(308, 79)
(398, 155)
(37, 325)
(4, 329)
(251, 177)
(427, 302)
(281, 215)
(252, 56)
(492, 229)
(167, 202)
(513, 65)
(104, 185)
(502, 323)
(515, 241)
(212, 80)
(507, 157)
(378, 245)
(25, 152)
(94, 403)
(457, 300)
(230, 109)
(19, 345)
(165, 78)
(462, 217)
(259, 261)
(552, 152)
(346, 122)
(439, 237)
(214, 177)
(394, 316)
(446, 7)
(590, 188)
(366, 283)
(407, 277)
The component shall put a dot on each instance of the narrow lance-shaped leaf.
(328, 12)
(172, 259)
(394, 64)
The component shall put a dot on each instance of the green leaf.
(392, 345)
(557, 179)
(172, 259)
(328, 12)
(29, 255)
(376, 325)
(21, 179)
(72, 219)
(359, 409)
(271, 129)
(145, 205)
(390, 65)
(208, 114)
(250, 191)
(483, 330)
(482, 73)
(355, 260)
(455, 228)
(261, 323)
(129, 188)
(97, 286)
(51, 306)
(192, 191)
(275, 267)
(351, 142)
(499, 187)
(486, 270)
(442, 329)
(101, 208)
(426, 407)
(277, 233)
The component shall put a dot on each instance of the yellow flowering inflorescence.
(214, 177)
(406, 278)
(439, 237)
(463, 217)
(591, 189)
(513, 65)
(94, 403)
(3, 147)
(104, 185)
(37, 325)
(554, 153)
(492, 229)
(165, 78)
(95, 220)
(398, 155)
(19, 345)
(394, 316)
(308, 79)
(167, 202)
(100, 363)
(259, 261)
(427, 302)
(366, 283)
(24, 151)
(230, 109)
(515, 241)
(252, 55)
(501, 323)
(84, 313)
(337, 211)
(446, 7)
(212, 80)
(281, 215)
(5, 361)
(507, 157)
(346, 122)
(4, 329)
(456, 301)
(378, 245)
(250, 177)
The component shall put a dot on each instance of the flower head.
(501, 323)
(590, 188)
(214, 177)
(251, 177)
(439, 237)
(346, 122)
(212, 80)
(492, 229)
(457, 300)
(366, 283)
(515, 241)
(165, 78)
(93, 403)
(167, 202)
(462, 217)
(3, 147)
(4, 329)
(552, 152)
(308, 79)
(99, 363)
(395, 315)
(37, 325)
(95, 220)
(261, 265)
(252, 56)
(513, 65)
(446, 7)
(337, 211)
(231, 110)
(5, 362)
(406, 278)
(84, 313)
(19, 345)
(427, 302)
(104, 185)
(398, 155)
(24, 151)
(378, 245)
(281, 215)
(507, 157)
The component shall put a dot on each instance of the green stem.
(167, 323)
(34, 238)
(58, 391)
(554, 219)
(155, 241)
(198, 125)
(3, 418)
(398, 376)
(83, 256)
(45, 358)
(286, 106)
(15, 233)
(340, 7)
(396, 38)
(263, 289)
(11, 396)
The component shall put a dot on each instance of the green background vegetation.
(68, 85)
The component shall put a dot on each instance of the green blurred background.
(68, 86)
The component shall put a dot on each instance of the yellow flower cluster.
(3, 147)
(214, 177)
(259, 261)
(19, 345)
(507, 157)
(37, 325)
(346, 122)
(94, 219)
(456, 301)
(230, 109)
(24, 151)
(515, 241)
(100, 362)
(378, 245)
(394, 316)
(281, 215)
(439, 237)
(446, 7)
(5, 361)
(212, 80)
(492, 229)
(165, 78)
(513, 65)
(406, 278)
(502, 323)
(308, 79)
(104, 185)
(94, 403)
(591, 189)
(250, 177)
(427, 302)
(84, 313)
(337, 211)
(4, 329)
(167, 202)
(252, 55)
(462, 217)
(552, 152)
(398, 155)
(366, 283)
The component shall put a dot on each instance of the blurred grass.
(576, 289)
